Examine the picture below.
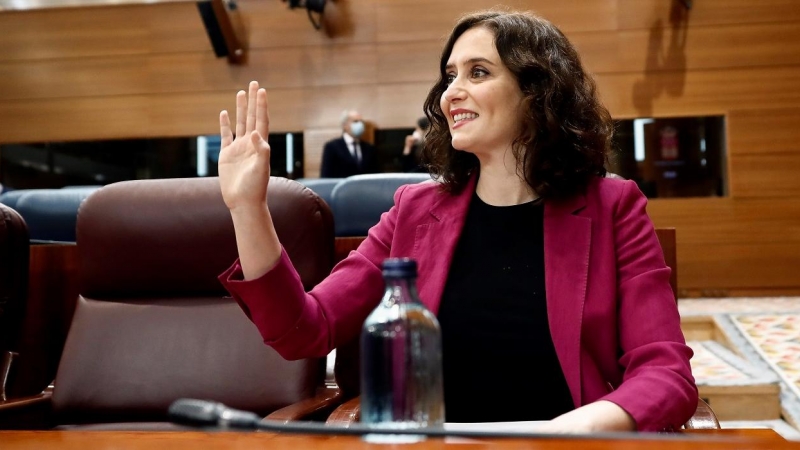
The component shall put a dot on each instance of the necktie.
(357, 153)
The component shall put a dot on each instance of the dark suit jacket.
(338, 162)
(612, 314)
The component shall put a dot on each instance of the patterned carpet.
(776, 338)
(715, 365)
(766, 335)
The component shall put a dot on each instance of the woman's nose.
(454, 92)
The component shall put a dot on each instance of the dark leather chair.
(321, 186)
(153, 323)
(358, 201)
(347, 363)
(14, 254)
(51, 214)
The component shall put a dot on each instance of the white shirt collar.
(349, 140)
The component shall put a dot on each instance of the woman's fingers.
(258, 143)
(241, 113)
(251, 107)
(262, 114)
(225, 129)
(251, 114)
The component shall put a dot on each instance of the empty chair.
(153, 323)
(321, 186)
(51, 214)
(359, 201)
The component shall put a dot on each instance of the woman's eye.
(450, 78)
(478, 72)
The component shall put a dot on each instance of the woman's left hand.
(600, 416)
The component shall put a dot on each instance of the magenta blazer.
(612, 313)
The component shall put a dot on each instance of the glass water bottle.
(401, 356)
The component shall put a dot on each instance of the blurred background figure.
(412, 151)
(348, 155)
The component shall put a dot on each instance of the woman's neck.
(500, 184)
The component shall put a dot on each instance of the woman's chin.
(459, 144)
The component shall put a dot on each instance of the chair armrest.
(325, 400)
(6, 361)
(703, 418)
(346, 414)
(41, 399)
(27, 413)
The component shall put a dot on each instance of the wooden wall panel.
(313, 142)
(734, 266)
(719, 221)
(100, 31)
(347, 64)
(199, 72)
(664, 48)
(408, 62)
(642, 13)
(424, 20)
(753, 132)
(271, 24)
(401, 104)
(699, 92)
(181, 114)
(626, 95)
(765, 175)
(719, 241)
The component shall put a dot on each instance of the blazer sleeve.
(301, 325)
(657, 389)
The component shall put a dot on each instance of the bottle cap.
(399, 267)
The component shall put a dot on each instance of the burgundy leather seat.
(153, 324)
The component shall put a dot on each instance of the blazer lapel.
(567, 240)
(435, 243)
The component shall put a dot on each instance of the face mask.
(357, 128)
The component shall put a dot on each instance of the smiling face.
(483, 99)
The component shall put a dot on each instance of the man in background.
(348, 155)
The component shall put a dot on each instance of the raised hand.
(244, 160)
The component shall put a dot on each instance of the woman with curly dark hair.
(565, 130)
(527, 253)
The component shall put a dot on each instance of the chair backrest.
(10, 198)
(14, 254)
(52, 214)
(358, 201)
(321, 186)
(153, 323)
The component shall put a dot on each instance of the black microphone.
(208, 414)
(205, 413)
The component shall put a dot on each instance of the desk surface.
(45, 440)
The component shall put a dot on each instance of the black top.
(498, 356)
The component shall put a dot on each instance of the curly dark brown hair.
(566, 130)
